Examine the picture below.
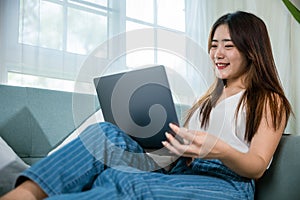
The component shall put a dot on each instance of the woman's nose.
(219, 53)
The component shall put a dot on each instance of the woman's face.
(229, 62)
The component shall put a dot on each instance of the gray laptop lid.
(139, 102)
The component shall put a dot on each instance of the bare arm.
(263, 145)
(251, 164)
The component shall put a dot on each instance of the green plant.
(293, 9)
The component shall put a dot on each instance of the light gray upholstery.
(33, 121)
(282, 180)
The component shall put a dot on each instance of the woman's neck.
(234, 84)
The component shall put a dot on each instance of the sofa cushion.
(282, 180)
(33, 121)
(10, 167)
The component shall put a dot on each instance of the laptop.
(140, 103)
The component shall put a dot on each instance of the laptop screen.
(139, 102)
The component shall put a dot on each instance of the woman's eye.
(229, 45)
(214, 46)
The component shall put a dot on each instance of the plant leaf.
(293, 10)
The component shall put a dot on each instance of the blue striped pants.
(105, 163)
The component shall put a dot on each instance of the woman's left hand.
(195, 143)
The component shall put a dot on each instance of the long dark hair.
(263, 87)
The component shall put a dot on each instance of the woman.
(230, 137)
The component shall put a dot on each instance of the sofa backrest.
(282, 180)
(33, 121)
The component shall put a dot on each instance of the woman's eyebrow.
(223, 40)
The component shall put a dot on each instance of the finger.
(188, 150)
(174, 128)
(180, 147)
(174, 145)
(172, 140)
(171, 148)
(177, 130)
(187, 135)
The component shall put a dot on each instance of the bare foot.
(28, 190)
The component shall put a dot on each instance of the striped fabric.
(105, 163)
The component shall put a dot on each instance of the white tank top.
(222, 122)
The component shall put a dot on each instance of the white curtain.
(283, 29)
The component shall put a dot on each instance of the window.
(143, 14)
(71, 26)
(46, 42)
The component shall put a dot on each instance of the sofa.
(35, 121)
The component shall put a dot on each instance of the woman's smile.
(221, 66)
